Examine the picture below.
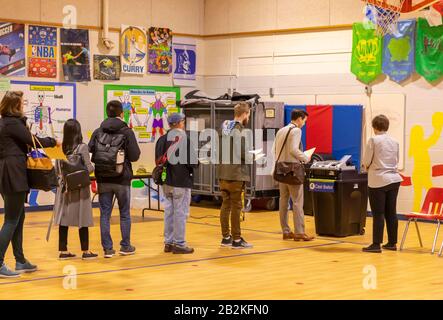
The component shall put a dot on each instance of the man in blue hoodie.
(233, 173)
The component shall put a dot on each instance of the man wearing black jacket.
(119, 186)
(181, 162)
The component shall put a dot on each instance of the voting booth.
(339, 196)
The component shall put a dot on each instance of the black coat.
(132, 150)
(14, 141)
(181, 173)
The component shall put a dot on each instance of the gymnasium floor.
(274, 269)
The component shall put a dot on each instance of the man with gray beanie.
(181, 160)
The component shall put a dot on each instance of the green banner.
(429, 48)
(367, 53)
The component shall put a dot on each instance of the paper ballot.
(310, 152)
(259, 156)
(256, 152)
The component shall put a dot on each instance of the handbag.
(292, 173)
(40, 170)
(74, 172)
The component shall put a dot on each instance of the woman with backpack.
(73, 206)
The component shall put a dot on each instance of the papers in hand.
(310, 152)
(204, 160)
(256, 152)
(259, 156)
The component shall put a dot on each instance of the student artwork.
(133, 46)
(160, 50)
(399, 52)
(106, 67)
(185, 62)
(366, 61)
(12, 49)
(75, 54)
(42, 52)
(145, 109)
(429, 57)
(47, 105)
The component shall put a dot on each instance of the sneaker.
(5, 272)
(109, 253)
(373, 248)
(182, 250)
(26, 267)
(66, 256)
(168, 248)
(127, 251)
(288, 236)
(303, 237)
(89, 256)
(227, 242)
(390, 247)
(242, 244)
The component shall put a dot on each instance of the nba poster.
(106, 67)
(75, 54)
(185, 62)
(42, 52)
(12, 49)
(160, 50)
(133, 46)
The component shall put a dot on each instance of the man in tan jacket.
(291, 152)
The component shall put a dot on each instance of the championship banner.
(76, 55)
(160, 50)
(429, 57)
(399, 52)
(106, 67)
(42, 52)
(366, 61)
(133, 46)
(12, 49)
(185, 62)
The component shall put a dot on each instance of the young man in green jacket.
(233, 173)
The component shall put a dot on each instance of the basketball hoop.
(384, 15)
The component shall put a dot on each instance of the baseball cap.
(176, 118)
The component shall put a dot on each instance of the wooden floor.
(274, 269)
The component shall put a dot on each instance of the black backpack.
(109, 154)
(74, 172)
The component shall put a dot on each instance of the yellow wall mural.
(419, 151)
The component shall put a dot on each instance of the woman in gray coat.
(73, 208)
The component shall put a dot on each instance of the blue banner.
(399, 52)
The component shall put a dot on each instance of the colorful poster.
(429, 46)
(185, 62)
(12, 49)
(133, 46)
(42, 52)
(106, 67)
(160, 50)
(399, 52)
(146, 109)
(366, 53)
(75, 54)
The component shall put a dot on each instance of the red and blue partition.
(333, 129)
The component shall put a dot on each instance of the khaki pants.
(231, 208)
(296, 194)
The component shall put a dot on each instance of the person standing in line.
(15, 138)
(113, 170)
(233, 173)
(73, 208)
(381, 161)
(178, 182)
(291, 152)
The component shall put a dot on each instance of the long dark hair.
(72, 136)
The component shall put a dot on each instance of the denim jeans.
(105, 198)
(177, 203)
(12, 230)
